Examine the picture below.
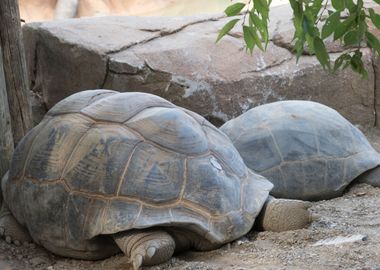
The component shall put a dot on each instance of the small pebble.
(37, 261)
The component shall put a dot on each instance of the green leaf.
(260, 25)
(350, 5)
(321, 53)
(330, 24)
(251, 38)
(338, 4)
(373, 42)
(342, 27)
(340, 60)
(359, 5)
(351, 38)
(234, 9)
(256, 20)
(299, 46)
(227, 28)
(297, 8)
(377, 1)
(257, 40)
(316, 7)
(262, 7)
(248, 38)
(375, 18)
(358, 65)
(305, 26)
(310, 43)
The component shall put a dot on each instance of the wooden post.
(15, 71)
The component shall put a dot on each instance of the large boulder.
(177, 58)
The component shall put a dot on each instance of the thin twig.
(246, 12)
(323, 11)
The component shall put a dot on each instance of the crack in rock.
(163, 33)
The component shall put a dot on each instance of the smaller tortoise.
(307, 150)
(106, 172)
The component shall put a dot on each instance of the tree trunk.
(15, 69)
(6, 139)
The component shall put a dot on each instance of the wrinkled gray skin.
(307, 150)
(106, 172)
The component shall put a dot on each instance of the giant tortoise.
(306, 149)
(106, 172)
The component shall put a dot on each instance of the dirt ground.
(356, 214)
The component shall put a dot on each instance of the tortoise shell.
(306, 149)
(102, 162)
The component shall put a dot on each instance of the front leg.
(145, 247)
(10, 229)
(279, 215)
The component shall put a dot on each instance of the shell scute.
(56, 141)
(122, 106)
(77, 211)
(119, 216)
(153, 175)
(209, 186)
(221, 146)
(100, 158)
(43, 208)
(264, 144)
(78, 101)
(171, 128)
(306, 144)
(22, 150)
(153, 215)
(186, 216)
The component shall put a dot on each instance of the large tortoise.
(107, 171)
(306, 149)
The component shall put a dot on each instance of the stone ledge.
(177, 58)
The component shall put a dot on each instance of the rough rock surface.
(177, 58)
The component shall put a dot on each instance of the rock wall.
(177, 58)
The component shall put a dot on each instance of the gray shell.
(103, 162)
(307, 150)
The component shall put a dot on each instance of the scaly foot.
(146, 248)
(280, 215)
(10, 229)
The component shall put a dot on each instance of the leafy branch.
(347, 21)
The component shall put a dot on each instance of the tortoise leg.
(185, 240)
(10, 229)
(145, 248)
(279, 215)
(370, 177)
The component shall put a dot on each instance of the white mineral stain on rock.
(260, 62)
(221, 115)
(246, 105)
(191, 87)
(269, 92)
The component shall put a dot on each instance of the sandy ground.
(356, 214)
